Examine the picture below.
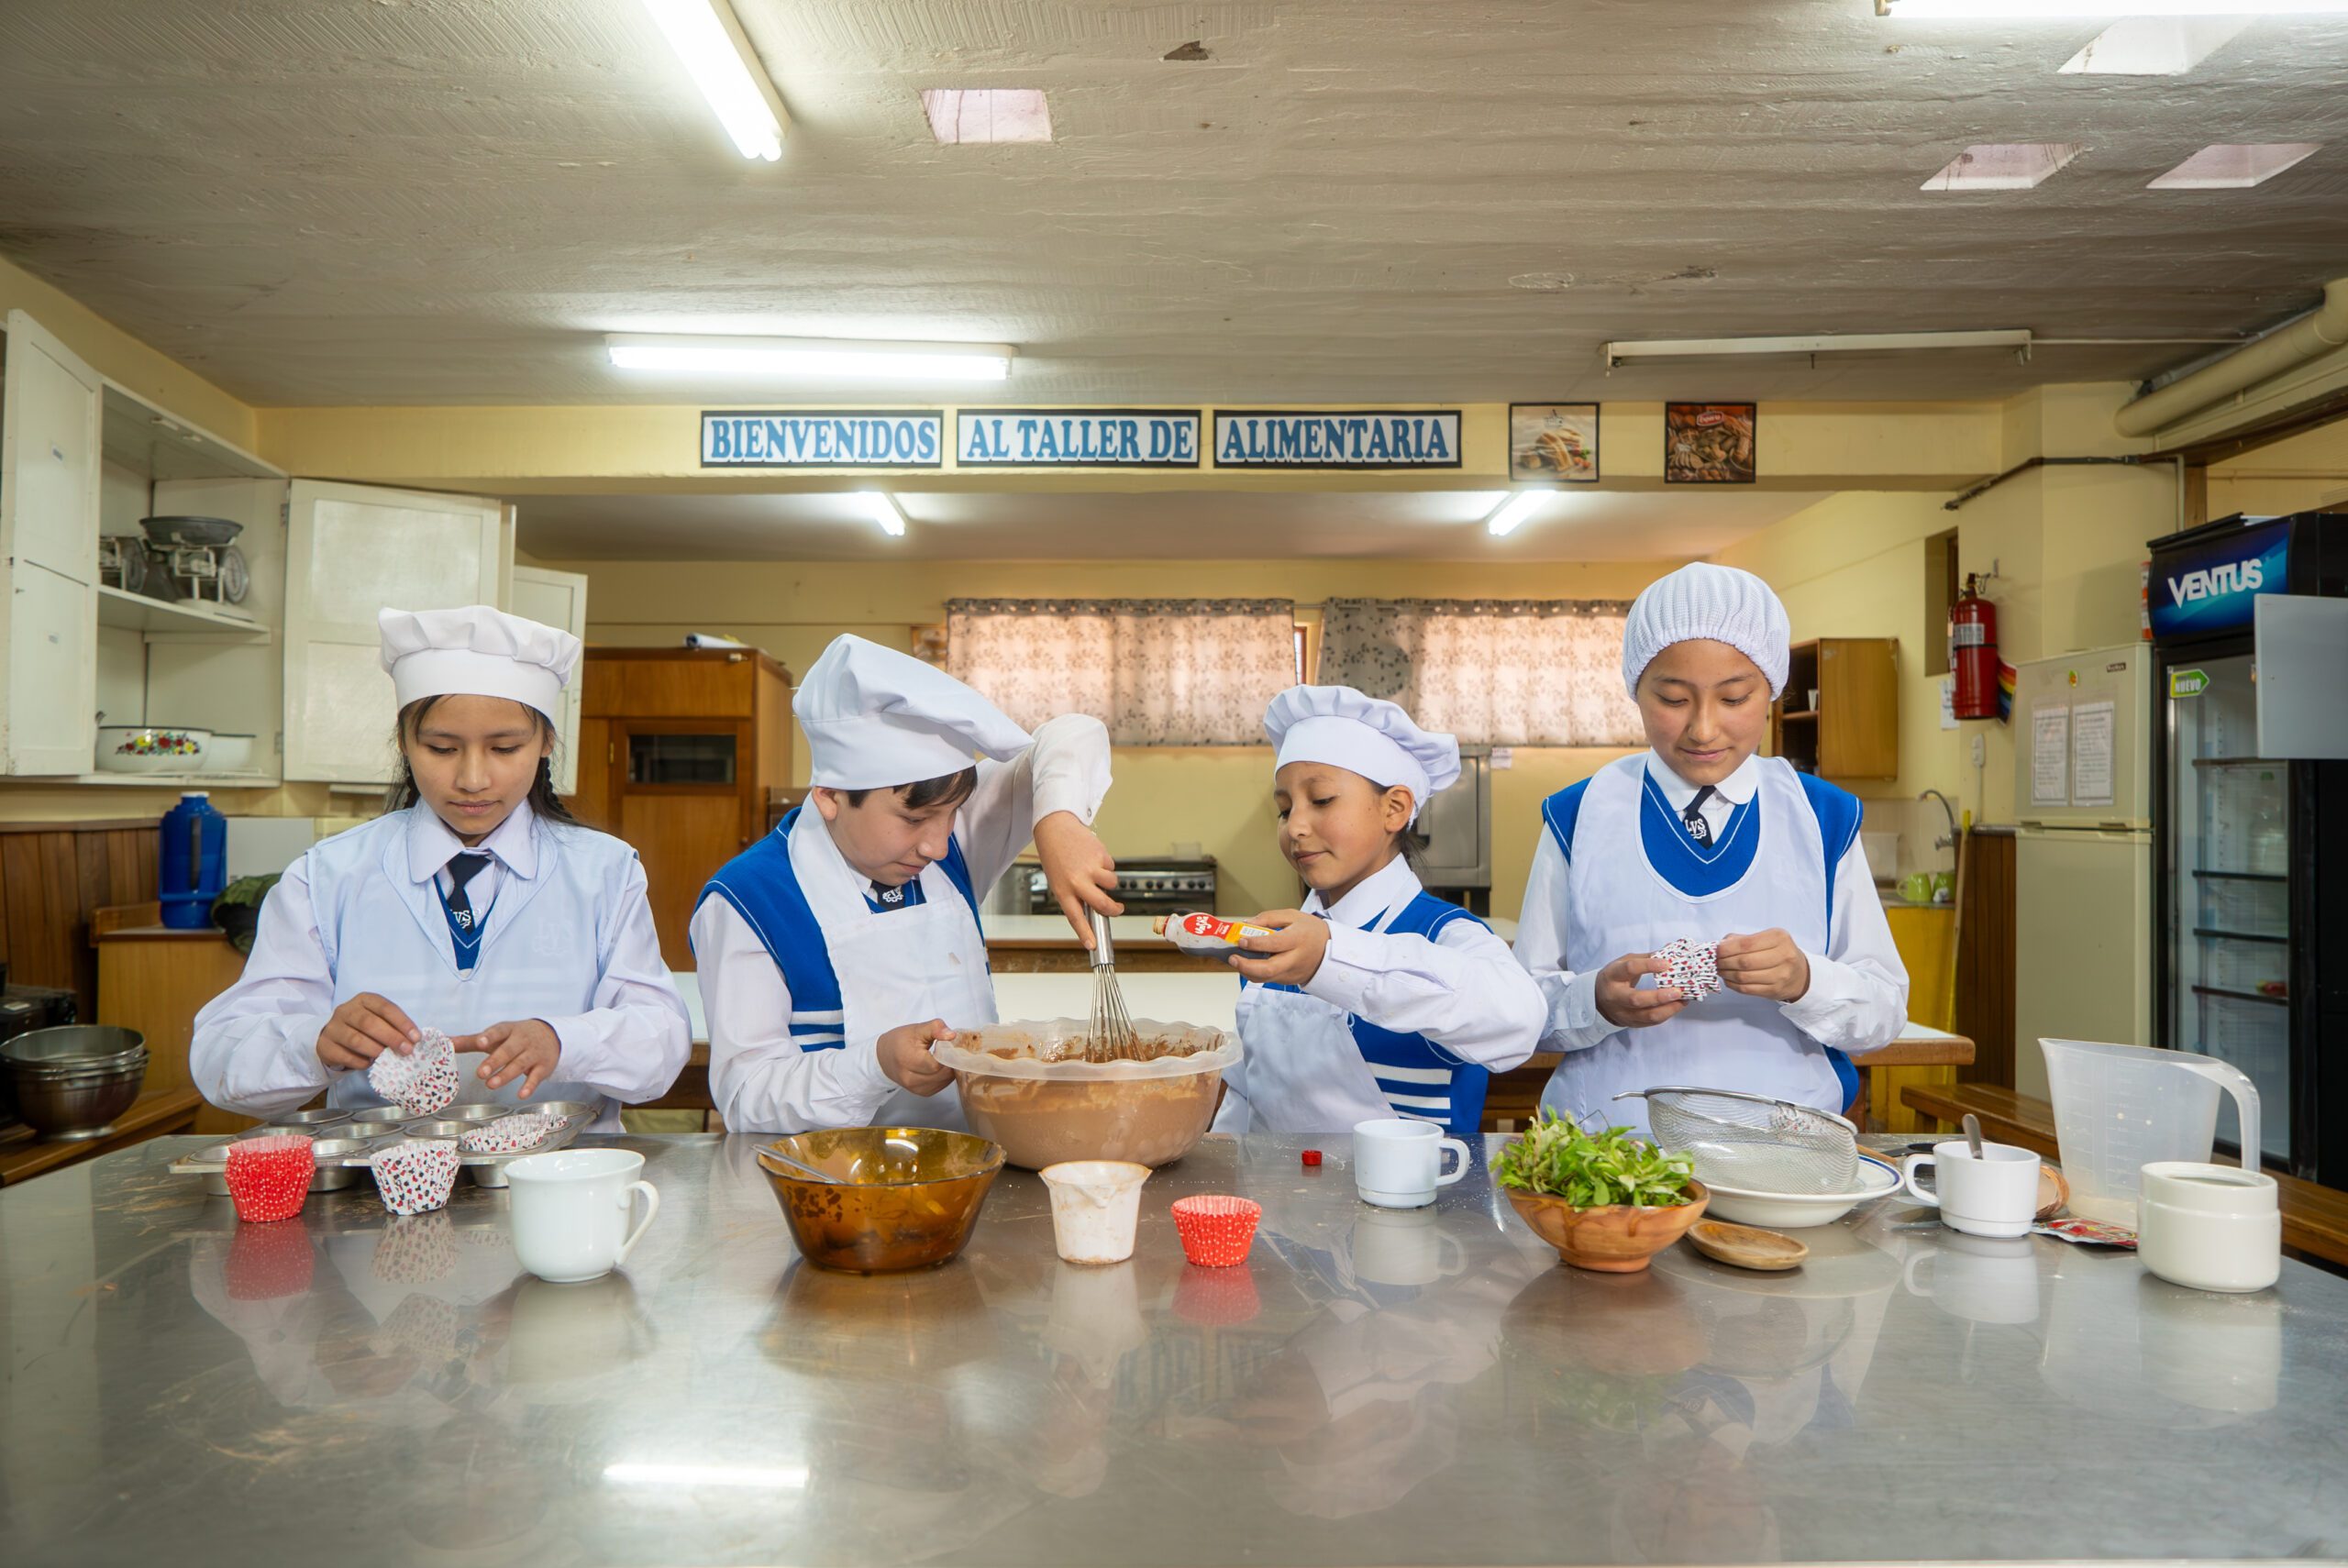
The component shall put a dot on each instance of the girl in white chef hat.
(475, 906)
(1699, 838)
(835, 951)
(1377, 998)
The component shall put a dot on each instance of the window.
(1492, 671)
(1156, 671)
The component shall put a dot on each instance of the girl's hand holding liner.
(1623, 1004)
(1764, 965)
(527, 1048)
(364, 1028)
(904, 1056)
(1291, 955)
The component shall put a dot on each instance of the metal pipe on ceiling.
(2314, 335)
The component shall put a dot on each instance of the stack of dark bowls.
(71, 1082)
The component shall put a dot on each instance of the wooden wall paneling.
(54, 877)
(591, 803)
(1985, 959)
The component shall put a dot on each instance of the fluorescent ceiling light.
(1519, 507)
(882, 508)
(827, 358)
(2153, 46)
(2003, 166)
(777, 1477)
(2235, 166)
(713, 46)
(1828, 343)
(2048, 10)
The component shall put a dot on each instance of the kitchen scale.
(195, 555)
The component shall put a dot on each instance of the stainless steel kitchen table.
(1371, 1389)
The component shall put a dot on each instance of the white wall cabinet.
(558, 599)
(294, 664)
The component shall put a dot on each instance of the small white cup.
(1094, 1206)
(2210, 1227)
(570, 1211)
(1399, 1164)
(1995, 1195)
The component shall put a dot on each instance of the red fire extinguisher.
(1973, 652)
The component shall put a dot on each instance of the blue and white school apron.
(1637, 881)
(857, 973)
(1312, 1067)
(536, 952)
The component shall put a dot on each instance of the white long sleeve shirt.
(757, 1075)
(1858, 998)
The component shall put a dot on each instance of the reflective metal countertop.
(1430, 1388)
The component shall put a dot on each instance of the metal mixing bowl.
(75, 1105)
(73, 1048)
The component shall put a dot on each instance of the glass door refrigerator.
(2250, 820)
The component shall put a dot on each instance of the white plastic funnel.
(2119, 1108)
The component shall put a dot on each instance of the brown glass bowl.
(1617, 1238)
(906, 1197)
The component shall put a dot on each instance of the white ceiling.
(446, 201)
(1583, 526)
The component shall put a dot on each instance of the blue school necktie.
(464, 926)
(1693, 812)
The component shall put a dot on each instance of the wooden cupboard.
(1839, 715)
(676, 749)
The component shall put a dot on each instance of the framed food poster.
(1553, 441)
(1708, 443)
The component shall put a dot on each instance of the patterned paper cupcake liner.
(414, 1175)
(1216, 1230)
(423, 1081)
(512, 1135)
(270, 1177)
(1695, 968)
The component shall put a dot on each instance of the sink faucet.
(1950, 842)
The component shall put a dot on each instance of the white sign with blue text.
(1076, 437)
(809, 438)
(1354, 439)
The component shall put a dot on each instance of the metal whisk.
(1111, 1037)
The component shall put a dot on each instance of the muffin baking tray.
(346, 1140)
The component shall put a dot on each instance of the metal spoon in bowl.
(810, 1172)
(1973, 1135)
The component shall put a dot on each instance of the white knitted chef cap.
(1717, 602)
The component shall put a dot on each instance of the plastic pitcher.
(192, 861)
(2119, 1108)
(1095, 1204)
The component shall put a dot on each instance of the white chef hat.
(1716, 603)
(477, 652)
(877, 719)
(1367, 735)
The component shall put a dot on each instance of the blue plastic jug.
(194, 861)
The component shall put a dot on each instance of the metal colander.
(1753, 1143)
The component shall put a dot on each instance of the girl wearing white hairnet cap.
(1376, 999)
(1698, 839)
(475, 907)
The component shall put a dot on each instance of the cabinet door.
(50, 412)
(353, 550)
(558, 599)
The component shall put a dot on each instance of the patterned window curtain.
(1492, 671)
(1156, 671)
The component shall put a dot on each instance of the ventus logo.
(2235, 577)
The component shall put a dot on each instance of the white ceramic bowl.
(152, 749)
(229, 754)
(1800, 1210)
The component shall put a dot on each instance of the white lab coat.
(1581, 913)
(905, 967)
(1464, 992)
(568, 938)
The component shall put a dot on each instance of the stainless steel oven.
(1143, 887)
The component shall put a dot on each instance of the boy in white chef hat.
(835, 951)
(1699, 838)
(1377, 999)
(476, 905)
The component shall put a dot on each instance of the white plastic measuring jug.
(2119, 1108)
(1095, 1204)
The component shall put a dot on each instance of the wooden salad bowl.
(1617, 1238)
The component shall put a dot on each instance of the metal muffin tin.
(346, 1140)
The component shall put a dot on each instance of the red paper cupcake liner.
(269, 1177)
(1216, 1230)
(1217, 1298)
(266, 1262)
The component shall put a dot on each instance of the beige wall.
(2301, 474)
(1217, 797)
(113, 352)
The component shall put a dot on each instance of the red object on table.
(1312, 1156)
(1216, 1230)
(269, 1177)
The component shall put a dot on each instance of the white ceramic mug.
(2210, 1227)
(1995, 1195)
(1399, 1164)
(570, 1211)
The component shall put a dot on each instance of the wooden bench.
(2315, 1219)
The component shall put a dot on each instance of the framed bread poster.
(1708, 443)
(1553, 442)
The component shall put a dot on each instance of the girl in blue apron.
(474, 905)
(835, 950)
(1699, 838)
(1377, 999)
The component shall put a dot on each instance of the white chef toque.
(877, 719)
(1367, 735)
(1719, 603)
(477, 652)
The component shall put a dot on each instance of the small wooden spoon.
(1746, 1246)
